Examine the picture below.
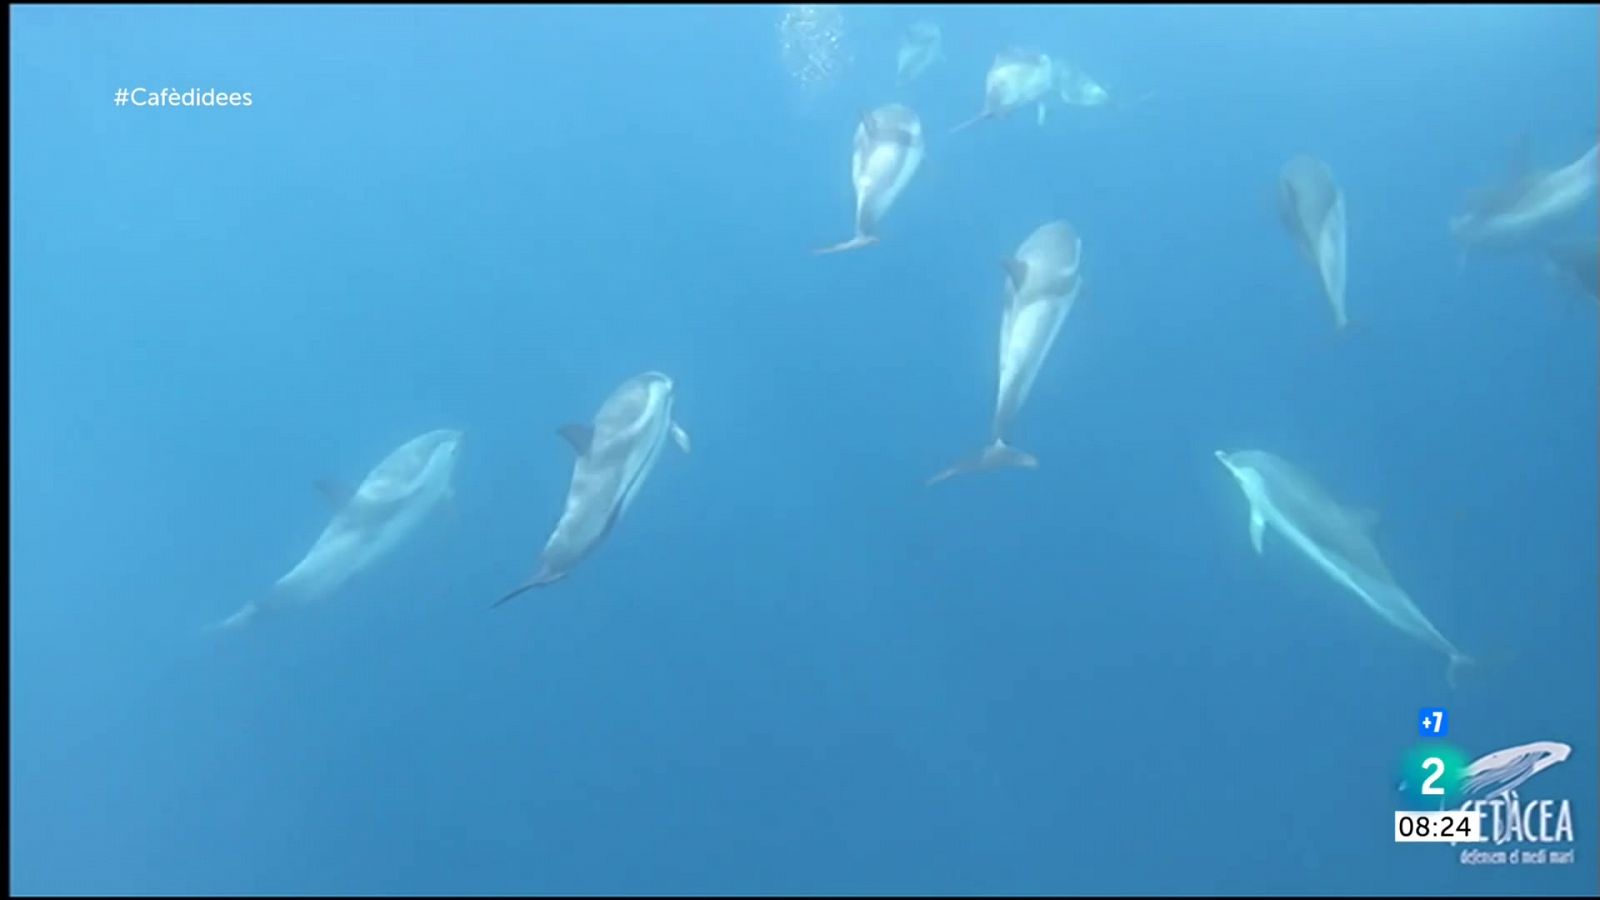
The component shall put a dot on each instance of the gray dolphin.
(1017, 78)
(920, 48)
(1076, 88)
(1508, 213)
(1042, 282)
(1576, 263)
(888, 150)
(614, 456)
(1336, 539)
(369, 522)
(1311, 206)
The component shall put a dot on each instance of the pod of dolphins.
(615, 453)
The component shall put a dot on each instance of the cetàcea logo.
(1439, 777)
(1490, 787)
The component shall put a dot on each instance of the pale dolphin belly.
(347, 549)
(609, 472)
(1559, 194)
(1331, 258)
(1386, 599)
(1025, 346)
(1014, 87)
(885, 173)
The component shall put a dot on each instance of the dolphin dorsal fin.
(336, 493)
(580, 436)
(1016, 271)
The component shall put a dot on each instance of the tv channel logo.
(1433, 723)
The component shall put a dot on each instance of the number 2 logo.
(1435, 764)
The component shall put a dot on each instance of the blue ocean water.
(792, 668)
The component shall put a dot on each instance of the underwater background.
(793, 667)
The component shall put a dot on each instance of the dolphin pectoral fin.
(680, 437)
(1041, 113)
(860, 240)
(580, 436)
(1258, 529)
(1016, 271)
(544, 577)
(336, 493)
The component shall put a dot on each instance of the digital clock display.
(1445, 827)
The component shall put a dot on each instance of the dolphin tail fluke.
(998, 455)
(1344, 326)
(1001, 455)
(860, 240)
(545, 576)
(1457, 661)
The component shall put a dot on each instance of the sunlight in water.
(813, 44)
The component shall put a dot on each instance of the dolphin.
(1336, 539)
(1076, 88)
(1042, 282)
(1017, 78)
(920, 48)
(614, 456)
(1311, 206)
(387, 507)
(1508, 213)
(888, 150)
(1576, 263)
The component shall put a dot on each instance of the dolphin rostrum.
(614, 456)
(1336, 539)
(369, 522)
(919, 49)
(888, 150)
(1017, 77)
(1533, 199)
(1042, 282)
(1312, 208)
